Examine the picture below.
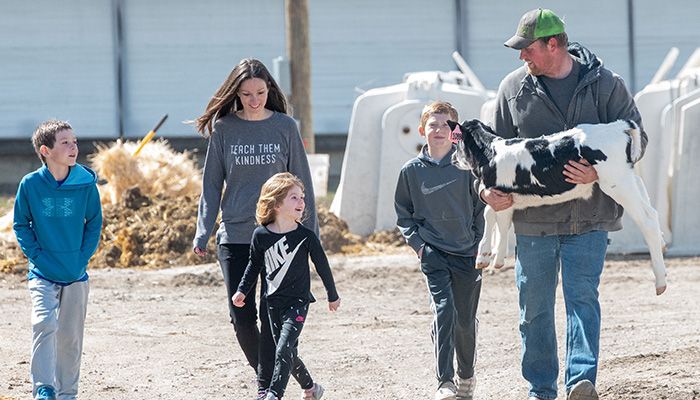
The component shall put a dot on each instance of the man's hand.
(498, 200)
(580, 172)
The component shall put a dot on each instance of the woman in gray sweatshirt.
(251, 138)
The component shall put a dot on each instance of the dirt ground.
(164, 334)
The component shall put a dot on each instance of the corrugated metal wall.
(57, 62)
(600, 25)
(177, 53)
(59, 59)
(362, 44)
(660, 26)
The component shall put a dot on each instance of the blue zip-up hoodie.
(58, 225)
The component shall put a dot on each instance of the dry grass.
(6, 202)
(150, 205)
(157, 170)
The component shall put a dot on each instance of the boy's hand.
(420, 252)
(333, 305)
(238, 299)
(200, 252)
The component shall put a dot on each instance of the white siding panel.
(599, 25)
(177, 53)
(366, 44)
(57, 62)
(660, 27)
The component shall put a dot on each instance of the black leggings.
(257, 345)
(287, 317)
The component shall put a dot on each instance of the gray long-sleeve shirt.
(243, 155)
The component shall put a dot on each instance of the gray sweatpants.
(454, 285)
(58, 320)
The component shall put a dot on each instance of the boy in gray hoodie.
(441, 217)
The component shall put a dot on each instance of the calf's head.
(473, 139)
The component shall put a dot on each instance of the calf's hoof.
(660, 290)
(483, 260)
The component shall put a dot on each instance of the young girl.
(250, 139)
(281, 247)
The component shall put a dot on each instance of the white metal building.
(113, 67)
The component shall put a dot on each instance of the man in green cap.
(560, 86)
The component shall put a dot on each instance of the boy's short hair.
(438, 107)
(45, 135)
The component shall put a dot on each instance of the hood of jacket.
(79, 176)
(425, 158)
(590, 63)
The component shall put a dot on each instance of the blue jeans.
(539, 259)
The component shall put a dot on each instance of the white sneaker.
(446, 391)
(271, 396)
(315, 393)
(583, 390)
(465, 388)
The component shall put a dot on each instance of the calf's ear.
(455, 131)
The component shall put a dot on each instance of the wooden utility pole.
(297, 32)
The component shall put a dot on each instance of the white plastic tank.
(383, 135)
(660, 103)
(653, 167)
(319, 164)
(686, 188)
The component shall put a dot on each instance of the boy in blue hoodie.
(441, 218)
(57, 220)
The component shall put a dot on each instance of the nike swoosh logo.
(274, 284)
(428, 190)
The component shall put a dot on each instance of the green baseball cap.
(533, 25)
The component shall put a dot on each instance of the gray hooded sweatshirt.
(244, 154)
(524, 109)
(436, 203)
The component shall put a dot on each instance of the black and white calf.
(531, 169)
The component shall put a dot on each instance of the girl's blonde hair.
(272, 195)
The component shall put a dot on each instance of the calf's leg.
(503, 220)
(483, 259)
(629, 191)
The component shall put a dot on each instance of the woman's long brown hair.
(226, 99)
